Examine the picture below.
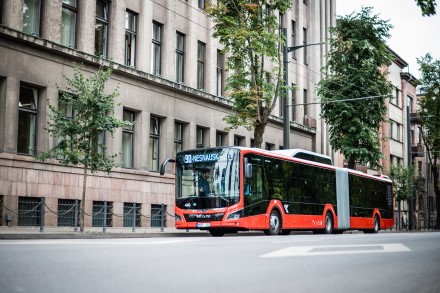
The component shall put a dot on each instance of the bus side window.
(254, 185)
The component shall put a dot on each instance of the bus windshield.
(208, 179)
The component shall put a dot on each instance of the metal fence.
(31, 212)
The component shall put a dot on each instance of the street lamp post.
(286, 125)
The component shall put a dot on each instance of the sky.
(412, 36)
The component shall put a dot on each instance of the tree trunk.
(351, 164)
(258, 134)
(83, 201)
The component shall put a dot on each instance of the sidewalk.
(15, 233)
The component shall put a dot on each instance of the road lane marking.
(337, 249)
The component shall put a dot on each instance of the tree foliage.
(427, 7)
(403, 181)
(358, 52)
(249, 32)
(84, 113)
(429, 111)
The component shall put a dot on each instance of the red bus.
(230, 189)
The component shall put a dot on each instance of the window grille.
(66, 212)
(128, 214)
(98, 214)
(29, 211)
(156, 215)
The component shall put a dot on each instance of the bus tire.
(376, 226)
(216, 232)
(274, 223)
(328, 222)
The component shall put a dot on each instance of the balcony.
(417, 151)
(414, 118)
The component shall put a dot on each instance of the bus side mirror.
(248, 170)
(164, 164)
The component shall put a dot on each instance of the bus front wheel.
(274, 223)
(216, 232)
(328, 229)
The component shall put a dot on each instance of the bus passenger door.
(255, 202)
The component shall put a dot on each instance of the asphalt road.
(386, 262)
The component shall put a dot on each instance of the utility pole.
(286, 113)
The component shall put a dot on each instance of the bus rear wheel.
(274, 223)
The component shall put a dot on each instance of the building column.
(86, 26)
(13, 14)
(11, 115)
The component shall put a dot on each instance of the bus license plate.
(203, 225)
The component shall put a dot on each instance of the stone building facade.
(171, 77)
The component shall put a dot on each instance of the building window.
(29, 211)
(102, 210)
(130, 38)
(281, 102)
(180, 57)
(132, 211)
(305, 43)
(201, 53)
(270, 146)
(127, 140)
(68, 23)
(27, 121)
(154, 143)
(200, 133)
(101, 28)
(178, 137)
(202, 4)
(410, 103)
(157, 213)
(397, 99)
(238, 140)
(31, 17)
(219, 139)
(395, 130)
(306, 100)
(66, 212)
(157, 49)
(293, 38)
(292, 104)
(220, 65)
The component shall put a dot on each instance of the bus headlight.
(235, 215)
(178, 218)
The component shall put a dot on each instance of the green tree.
(403, 181)
(427, 7)
(429, 111)
(249, 32)
(354, 70)
(84, 113)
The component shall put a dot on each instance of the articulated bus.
(230, 189)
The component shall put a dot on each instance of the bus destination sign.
(200, 158)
